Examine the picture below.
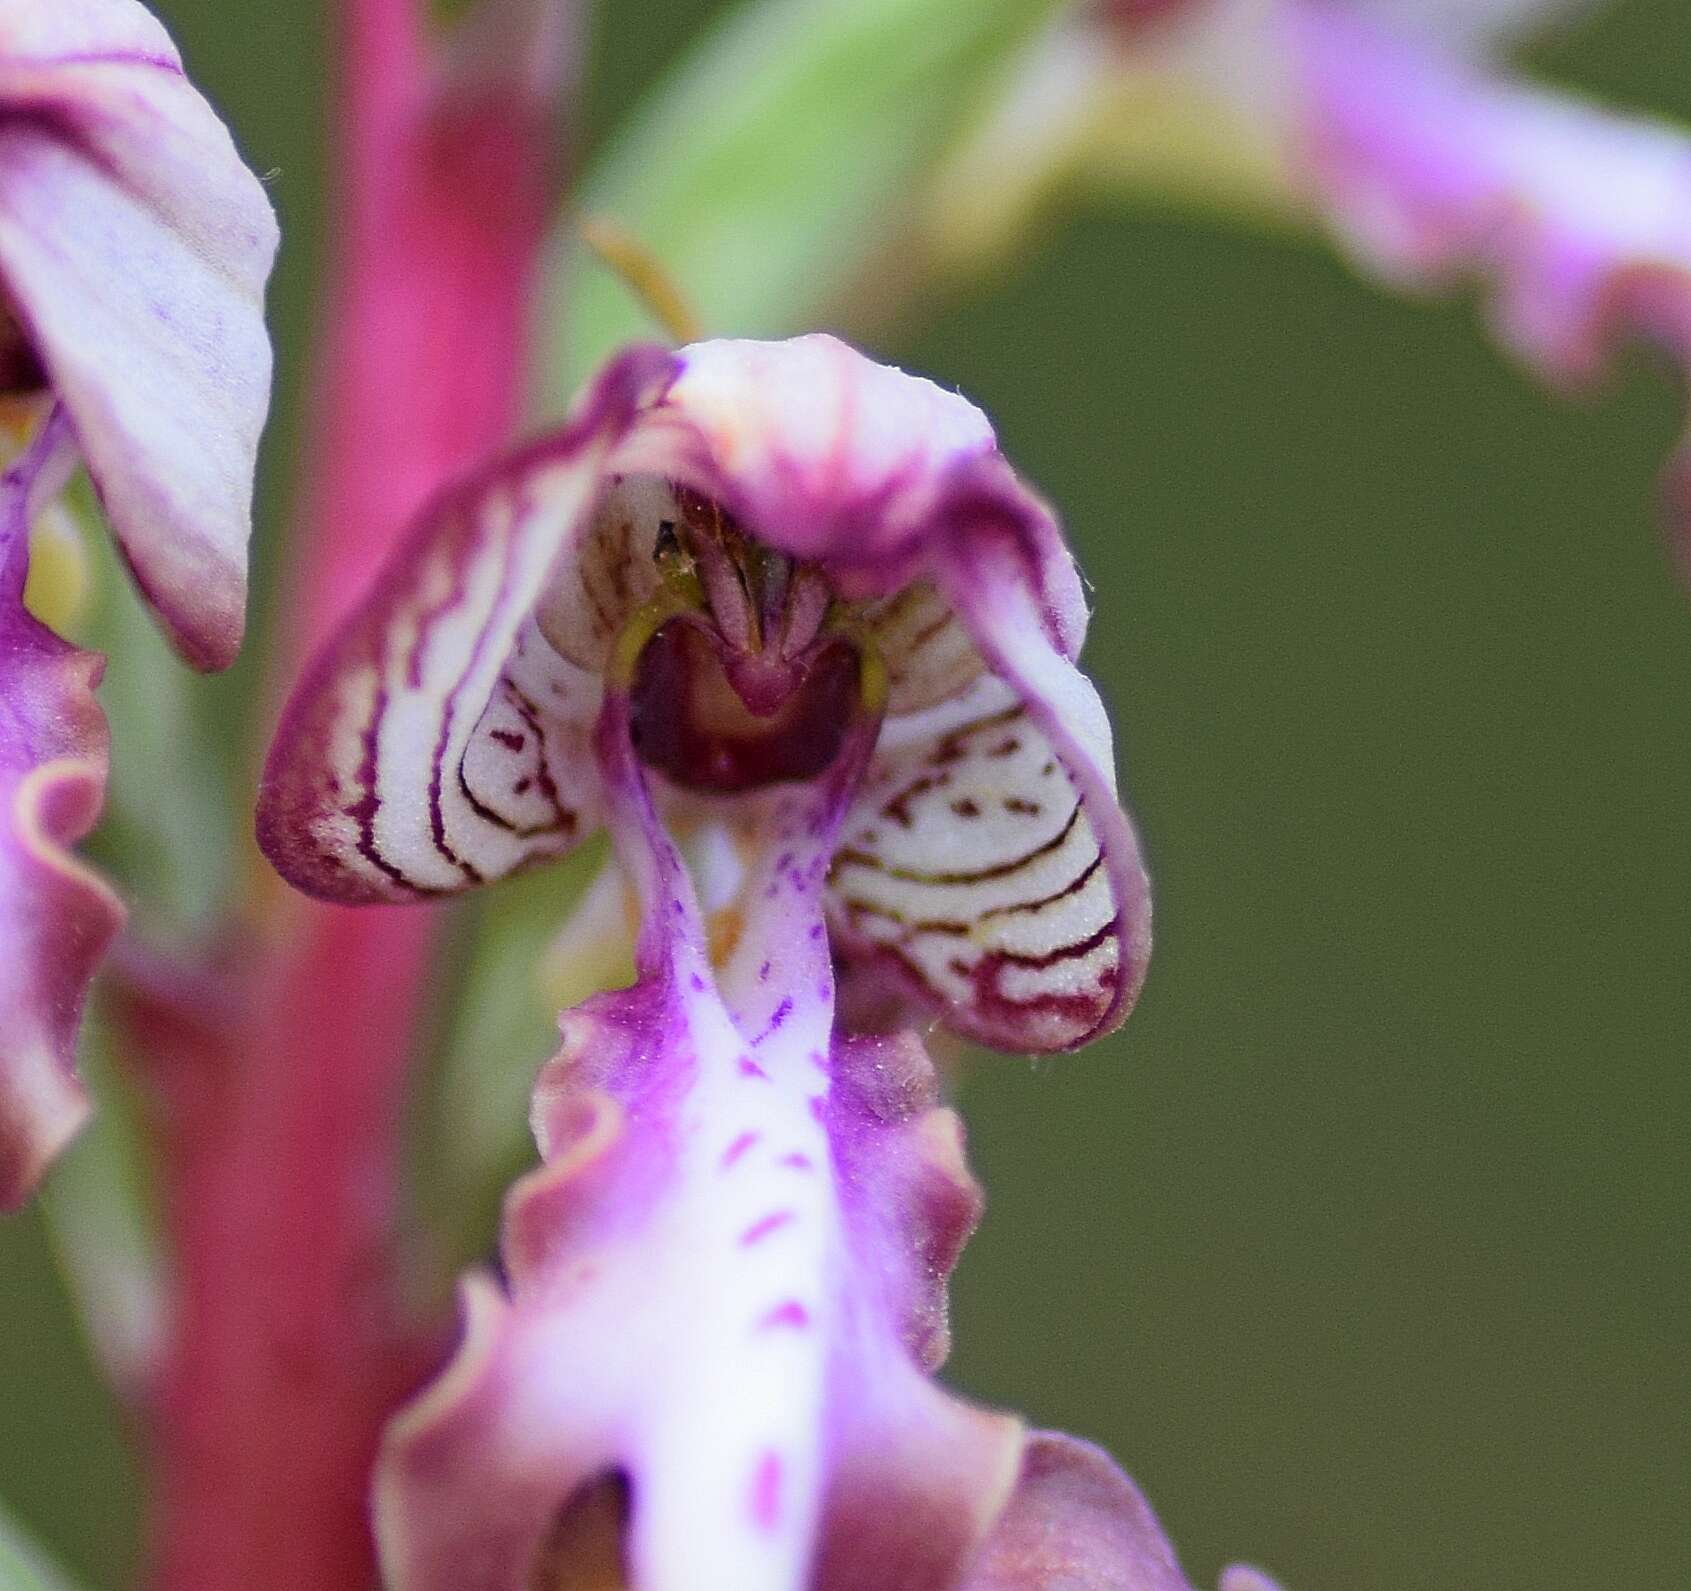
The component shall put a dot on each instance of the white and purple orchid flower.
(1388, 123)
(134, 248)
(771, 559)
(787, 624)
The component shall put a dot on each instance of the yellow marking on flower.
(57, 586)
(583, 1551)
(19, 416)
(594, 947)
(724, 931)
(874, 684)
(872, 681)
(56, 590)
(680, 593)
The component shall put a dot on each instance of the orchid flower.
(763, 553)
(134, 248)
(780, 623)
(1388, 122)
(787, 624)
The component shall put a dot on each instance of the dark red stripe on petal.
(911, 875)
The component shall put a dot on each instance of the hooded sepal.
(56, 917)
(988, 865)
(438, 742)
(134, 249)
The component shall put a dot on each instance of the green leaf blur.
(774, 157)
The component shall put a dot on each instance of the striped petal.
(1003, 889)
(440, 742)
(134, 249)
(56, 917)
(987, 864)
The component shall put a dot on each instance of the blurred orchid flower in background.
(1389, 123)
(134, 248)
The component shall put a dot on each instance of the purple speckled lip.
(726, 1290)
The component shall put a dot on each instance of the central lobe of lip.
(715, 718)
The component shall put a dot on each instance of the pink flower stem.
(282, 1135)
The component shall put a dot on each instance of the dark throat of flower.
(743, 672)
(21, 372)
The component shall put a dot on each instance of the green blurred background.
(1364, 1246)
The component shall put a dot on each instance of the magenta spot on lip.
(750, 1068)
(776, 1018)
(797, 1162)
(766, 1491)
(698, 982)
(738, 1148)
(792, 1313)
(817, 930)
(819, 1106)
(760, 1229)
(764, 970)
(818, 1059)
